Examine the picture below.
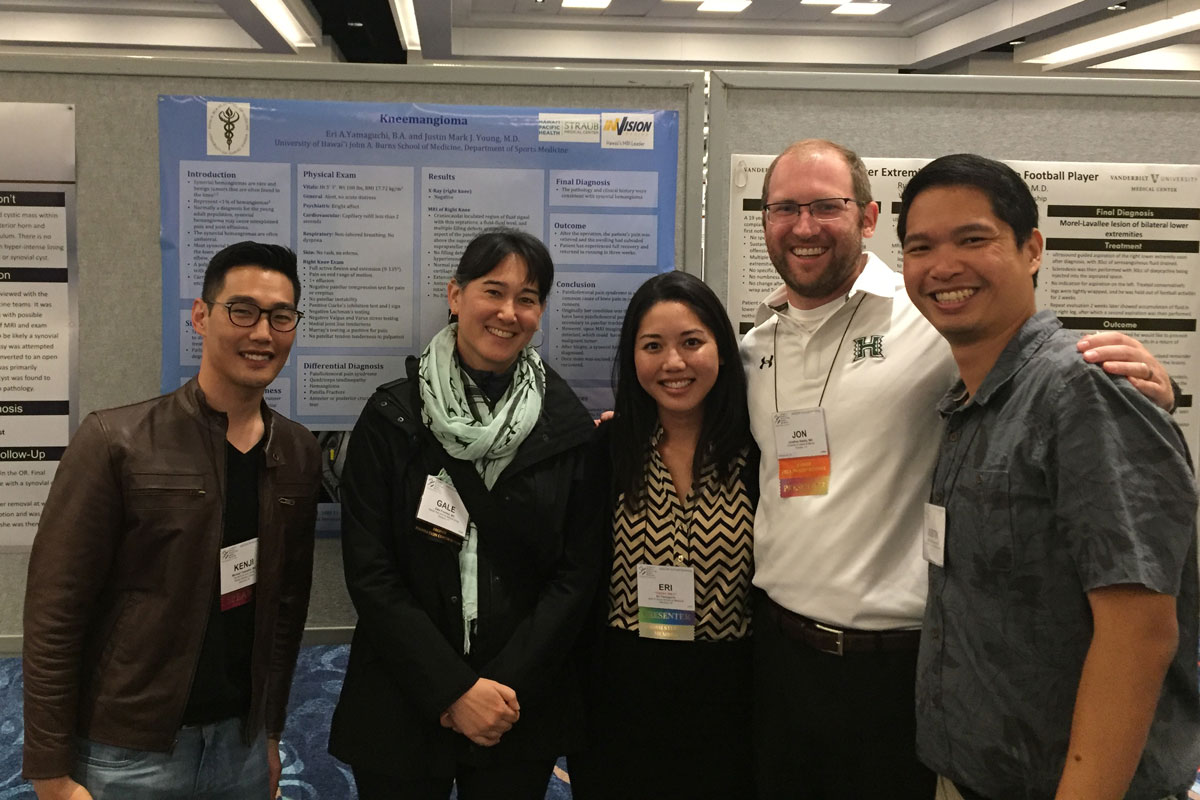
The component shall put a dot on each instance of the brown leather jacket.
(123, 570)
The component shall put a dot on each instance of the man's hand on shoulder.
(1121, 354)
(63, 788)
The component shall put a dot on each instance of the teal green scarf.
(458, 416)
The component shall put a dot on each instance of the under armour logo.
(868, 346)
(766, 361)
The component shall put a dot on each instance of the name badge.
(666, 602)
(441, 514)
(803, 448)
(239, 573)
(934, 545)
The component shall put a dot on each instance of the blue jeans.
(208, 762)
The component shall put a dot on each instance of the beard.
(844, 258)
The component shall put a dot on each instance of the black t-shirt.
(221, 687)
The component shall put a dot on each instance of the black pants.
(524, 780)
(828, 726)
(669, 721)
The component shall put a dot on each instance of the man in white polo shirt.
(844, 376)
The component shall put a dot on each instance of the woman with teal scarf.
(472, 546)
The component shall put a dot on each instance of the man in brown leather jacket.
(169, 579)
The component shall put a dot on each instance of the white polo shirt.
(850, 558)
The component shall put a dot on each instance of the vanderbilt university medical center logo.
(228, 129)
(868, 346)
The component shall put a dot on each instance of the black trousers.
(828, 727)
(523, 780)
(669, 721)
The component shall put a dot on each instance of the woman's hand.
(484, 713)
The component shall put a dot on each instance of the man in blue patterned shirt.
(1058, 653)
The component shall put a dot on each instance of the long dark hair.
(725, 431)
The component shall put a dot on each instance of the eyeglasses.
(825, 209)
(247, 315)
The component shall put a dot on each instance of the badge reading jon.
(803, 451)
(666, 602)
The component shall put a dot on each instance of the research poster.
(379, 201)
(1122, 251)
(38, 315)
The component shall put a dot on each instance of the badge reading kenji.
(239, 573)
(803, 448)
(441, 513)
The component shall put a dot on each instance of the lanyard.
(832, 361)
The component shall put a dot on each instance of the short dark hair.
(860, 181)
(492, 246)
(1006, 191)
(273, 257)
(725, 430)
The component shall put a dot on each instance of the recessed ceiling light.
(585, 3)
(861, 9)
(1117, 7)
(723, 6)
(822, 2)
(1016, 42)
(353, 23)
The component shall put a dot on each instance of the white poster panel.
(1122, 251)
(37, 308)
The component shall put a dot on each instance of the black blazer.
(540, 559)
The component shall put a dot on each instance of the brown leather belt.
(839, 641)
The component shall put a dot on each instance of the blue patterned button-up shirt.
(1057, 479)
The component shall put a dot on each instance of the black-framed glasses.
(825, 209)
(247, 315)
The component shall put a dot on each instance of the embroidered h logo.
(868, 346)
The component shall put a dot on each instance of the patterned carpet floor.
(309, 773)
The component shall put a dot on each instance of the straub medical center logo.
(228, 129)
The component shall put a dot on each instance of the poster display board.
(379, 201)
(1122, 250)
(37, 308)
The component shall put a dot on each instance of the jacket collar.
(192, 398)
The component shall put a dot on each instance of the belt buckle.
(840, 638)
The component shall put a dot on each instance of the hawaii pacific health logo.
(228, 129)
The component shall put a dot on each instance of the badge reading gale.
(803, 448)
(441, 513)
(666, 602)
(239, 573)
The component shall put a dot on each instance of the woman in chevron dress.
(669, 694)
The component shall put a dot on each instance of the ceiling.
(910, 35)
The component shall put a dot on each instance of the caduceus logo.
(229, 118)
(228, 128)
